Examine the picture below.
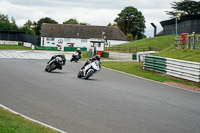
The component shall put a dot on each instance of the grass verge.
(12, 123)
(84, 55)
(157, 42)
(10, 47)
(181, 54)
(136, 69)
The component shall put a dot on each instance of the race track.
(109, 102)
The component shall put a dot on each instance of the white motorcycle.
(89, 69)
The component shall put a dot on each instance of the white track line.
(32, 119)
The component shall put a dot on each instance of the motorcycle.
(54, 64)
(90, 69)
(75, 57)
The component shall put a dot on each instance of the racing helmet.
(78, 49)
(97, 57)
(62, 56)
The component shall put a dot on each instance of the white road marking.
(14, 112)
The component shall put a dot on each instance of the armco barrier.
(120, 56)
(134, 56)
(177, 68)
(74, 48)
(153, 63)
(90, 54)
(124, 56)
(105, 54)
(45, 48)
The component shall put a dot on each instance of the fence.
(130, 49)
(177, 68)
(193, 42)
(189, 42)
(19, 36)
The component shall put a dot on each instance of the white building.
(81, 36)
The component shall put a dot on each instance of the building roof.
(81, 31)
(183, 18)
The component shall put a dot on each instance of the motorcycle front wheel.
(47, 68)
(52, 67)
(79, 74)
(89, 74)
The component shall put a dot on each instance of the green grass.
(136, 69)
(12, 47)
(12, 123)
(181, 54)
(84, 55)
(156, 42)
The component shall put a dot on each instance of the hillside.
(157, 42)
(167, 43)
(181, 54)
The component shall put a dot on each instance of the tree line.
(129, 20)
(30, 27)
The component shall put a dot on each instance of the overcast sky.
(94, 12)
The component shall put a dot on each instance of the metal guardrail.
(130, 49)
(189, 42)
(120, 56)
(154, 63)
(177, 68)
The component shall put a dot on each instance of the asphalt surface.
(109, 102)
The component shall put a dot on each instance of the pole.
(176, 26)
(178, 17)
(155, 28)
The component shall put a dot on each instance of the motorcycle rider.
(79, 52)
(61, 56)
(76, 56)
(97, 57)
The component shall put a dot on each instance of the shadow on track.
(55, 72)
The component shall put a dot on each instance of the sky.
(94, 12)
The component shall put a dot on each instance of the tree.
(28, 27)
(29, 24)
(74, 21)
(38, 25)
(188, 7)
(83, 23)
(27, 30)
(130, 20)
(71, 21)
(4, 17)
(109, 24)
(114, 24)
(129, 37)
(6, 25)
(13, 21)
